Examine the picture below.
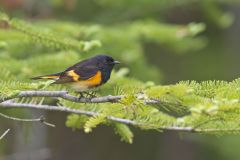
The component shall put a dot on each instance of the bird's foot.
(91, 94)
(88, 95)
(81, 95)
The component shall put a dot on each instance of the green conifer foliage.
(30, 49)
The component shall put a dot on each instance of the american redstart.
(87, 74)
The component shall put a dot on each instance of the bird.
(84, 75)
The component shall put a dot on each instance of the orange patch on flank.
(83, 85)
(95, 80)
(74, 75)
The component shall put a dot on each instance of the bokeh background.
(211, 54)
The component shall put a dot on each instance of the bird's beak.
(116, 62)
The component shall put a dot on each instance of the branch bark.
(65, 95)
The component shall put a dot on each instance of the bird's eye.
(109, 60)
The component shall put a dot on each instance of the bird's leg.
(91, 94)
(94, 94)
(85, 94)
(81, 95)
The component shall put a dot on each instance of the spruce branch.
(49, 39)
(9, 104)
(192, 129)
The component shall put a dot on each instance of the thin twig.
(4, 134)
(40, 119)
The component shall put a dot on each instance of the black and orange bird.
(86, 74)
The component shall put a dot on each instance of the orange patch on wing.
(49, 77)
(74, 75)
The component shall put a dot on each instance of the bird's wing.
(80, 71)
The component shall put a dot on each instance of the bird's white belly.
(79, 87)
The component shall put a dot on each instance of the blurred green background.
(212, 54)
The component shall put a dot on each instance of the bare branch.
(40, 119)
(4, 134)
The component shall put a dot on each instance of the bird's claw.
(88, 95)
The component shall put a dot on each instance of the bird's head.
(106, 61)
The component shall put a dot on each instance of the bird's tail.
(50, 76)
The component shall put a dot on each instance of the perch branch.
(65, 95)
